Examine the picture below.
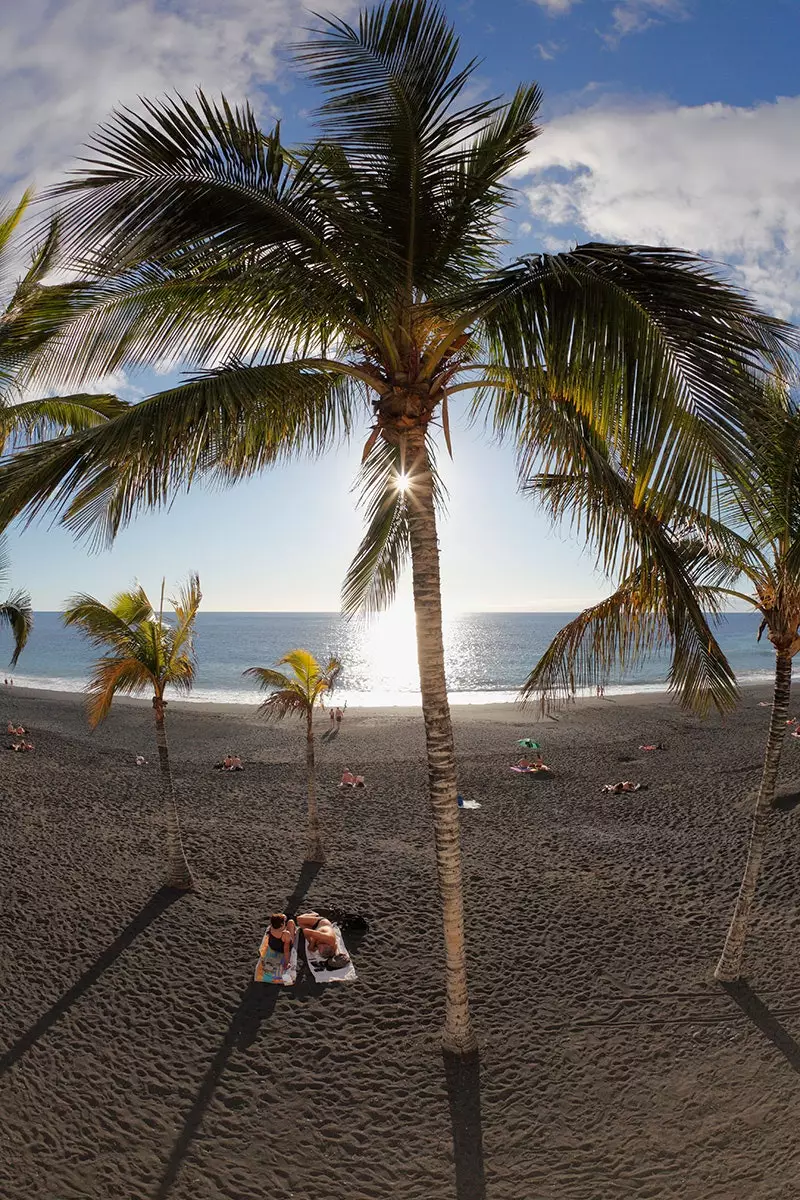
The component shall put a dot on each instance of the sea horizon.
(488, 654)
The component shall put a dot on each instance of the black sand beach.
(137, 1060)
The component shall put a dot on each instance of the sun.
(403, 483)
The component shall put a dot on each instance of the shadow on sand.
(463, 1077)
(257, 1004)
(754, 1007)
(158, 903)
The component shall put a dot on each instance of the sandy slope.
(136, 1059)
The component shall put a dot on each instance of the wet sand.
(138, 1060)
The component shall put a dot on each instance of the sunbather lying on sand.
(319, 933)
(655, 746)
(532, 766)
(21, 747)
(17, 730)
(351, 780)
(625, 785)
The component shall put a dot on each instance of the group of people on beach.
(17, 731)
(336, 716)
(318, 932)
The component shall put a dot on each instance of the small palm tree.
(652, 608)
(144, 651)
(16, 613)
(298, 694)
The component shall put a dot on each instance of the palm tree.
(298, 694)
(369, 264)
(16, 612)
(761, 543)
(32, 314)
(143, 652)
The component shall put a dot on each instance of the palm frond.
(16, 613)
(111, 676)
(101, 624)
(220, 427)
(638, 337)
(186, 605)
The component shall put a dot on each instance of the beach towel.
(269, 968)
(316, 963)
(467, 803)
(529, 744)
(532, 770)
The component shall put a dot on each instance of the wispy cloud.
(635, 16)
(556, 8)
(548, 50)
(716, 179)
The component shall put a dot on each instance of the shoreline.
(652, 694)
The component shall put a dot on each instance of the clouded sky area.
(665, 121)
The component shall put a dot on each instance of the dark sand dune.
(137, 1060)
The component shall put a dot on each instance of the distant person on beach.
(339, 715)
(333, 718)
(319, 933)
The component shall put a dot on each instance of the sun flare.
(403, 483)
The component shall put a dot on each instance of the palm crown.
(297, 693)
(368, 261)
(144, 651)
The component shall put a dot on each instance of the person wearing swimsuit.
(319, 933)
(276, 948)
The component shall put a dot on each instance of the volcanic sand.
(137, 1058)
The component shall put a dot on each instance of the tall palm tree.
(760, 543)
(143, 652)
(369, 264)
(298, 694)
(30, 315)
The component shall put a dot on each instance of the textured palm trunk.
(315, 852)
(729, 966)
(178, 873)
(458, 1036)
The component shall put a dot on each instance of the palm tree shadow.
(257, 1004)
(157, 904)
(755, 1008)
(463, 1078)
(330, 736)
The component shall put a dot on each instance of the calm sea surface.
(488, 654)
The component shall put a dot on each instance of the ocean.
(488, 655)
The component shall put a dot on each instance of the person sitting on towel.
(319, 933)
(278, 939)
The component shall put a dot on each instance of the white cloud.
(67, 63)
(716, 179)
(556, 8)
(634, 16)
(548, 50)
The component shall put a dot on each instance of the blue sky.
(664, 121)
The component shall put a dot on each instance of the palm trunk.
(315, 852)
(729, 966)
(178, 873)
(458, 1036)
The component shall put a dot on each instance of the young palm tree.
(143, 652)
(761, 544)
(298, 694)
(369, 264)
(16, 612)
